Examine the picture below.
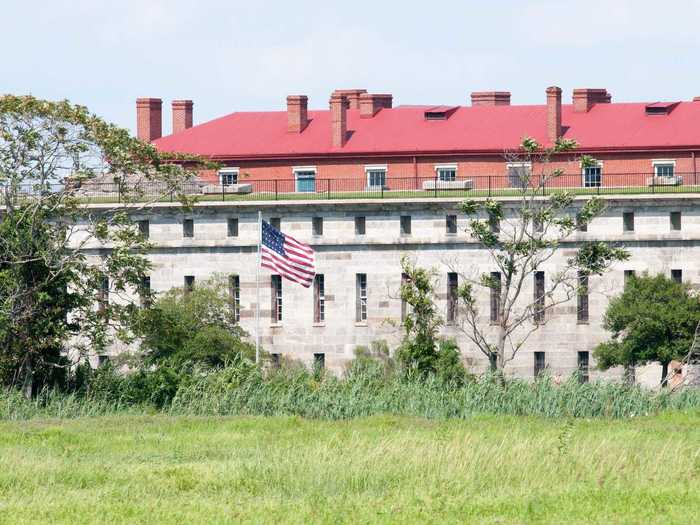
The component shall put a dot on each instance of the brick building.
(365, 183)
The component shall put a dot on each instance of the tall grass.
(244, 390)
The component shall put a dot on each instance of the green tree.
(520, 240)
(58, 257)
(653, 320)
(422, 351)
(195, 326)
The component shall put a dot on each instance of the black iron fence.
(387, 187)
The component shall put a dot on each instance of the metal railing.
(392, 187)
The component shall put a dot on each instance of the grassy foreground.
(487, 469)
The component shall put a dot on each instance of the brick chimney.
(370, 103)
(491, 98)
(352, 97)
(339, 125)
(182, 115)
(585, 98)
(149, 118)
(553, 113)
(297, 113)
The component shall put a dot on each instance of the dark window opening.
(677, 275)
(189, 283)
(451, 224)
(540, 363)
(539, 297)
(494, 224)
(188, 228)
(452, 285)
(232, 225)
(584, 367)
(404, 304)
(234, 294)
(405, 225)
(628, 275)
(317, 225)
(276, 223)
(581, 224)
(360, 297)
(675, 221)
(582, 298)
(495, 297)
(319, 299)
(145, 291)
(144, 229)
(275, 360)
(103, 294)
(276, 308)
(319, 361)
(628, 221)
(360, 224)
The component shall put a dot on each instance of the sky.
(240, 56)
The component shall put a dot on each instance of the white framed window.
(519, 174)
(446, 172)
(592, 175)
(664, 167)
(305, 178)
(228, 176)
(376, 176)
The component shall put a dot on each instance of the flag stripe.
(304, 274)
(287, 256)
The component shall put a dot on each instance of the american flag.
(286, 256)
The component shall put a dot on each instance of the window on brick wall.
(361, 297)
(495, 293)
(628, 221)
(276, 296)
(144, 228)
(540, 363)
(675, 219)
(582, 298)
(188, 228)
(317, 226)
(592, 177)
(584, 367)
(360, 225)
(232, 227)
(664, 168)
(189, 283)
(452, 285)
(376, 177)
(305, 179)
(319, 298)
(519, 174)
(446, 172)
(228, 176)
(677, 275)
(405, 225)
(234, 296)
(276, 223)
(451, 224)
(538, 299)
(145, 291)
(404, 304)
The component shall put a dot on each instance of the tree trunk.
(28, 382)
(630, 374)
(664, 375)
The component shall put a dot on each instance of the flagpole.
(257, 291)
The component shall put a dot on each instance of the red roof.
(405, 130)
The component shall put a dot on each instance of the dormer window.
(660, 108)
(446, 172)
(228, 176)
(439, 112)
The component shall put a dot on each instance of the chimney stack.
(339, 126)
(182, 115)
(553, 113)
(371, 103)
(352, 97)
(585, 98)
(149, 118)
(297, 113)
(491, 98)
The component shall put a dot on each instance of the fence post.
(653, 183)
(489, 185)
(435, 185)
(328, 188)
(119, 192)
(223, 192)
(276, 197)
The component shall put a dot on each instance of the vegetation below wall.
(368, 389)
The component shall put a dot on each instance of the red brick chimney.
(352, 96)
(297, 113)
(339, 125)
(149, 118)
(585, 98)
(491, 98)
(370, 103)
(553, 113)
(182, 115)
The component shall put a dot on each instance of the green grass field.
(383, 469)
